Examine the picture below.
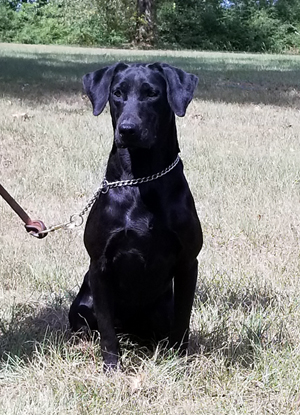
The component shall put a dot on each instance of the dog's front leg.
(185, 280)
(103, 298)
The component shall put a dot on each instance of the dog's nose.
(128, 129)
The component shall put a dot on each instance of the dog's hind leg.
(81, 315)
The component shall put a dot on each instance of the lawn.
(241, 151)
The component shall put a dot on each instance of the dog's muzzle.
(129, 135)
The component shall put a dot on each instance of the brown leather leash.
(34, 227)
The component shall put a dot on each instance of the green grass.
(240, 146)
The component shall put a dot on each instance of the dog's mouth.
(139, 139)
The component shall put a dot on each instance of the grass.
(240, 146)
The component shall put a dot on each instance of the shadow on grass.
(27, 328)
(31, 329)
(238, 324)
(35, 77)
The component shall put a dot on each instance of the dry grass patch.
(240, 146)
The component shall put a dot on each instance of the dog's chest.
(122, 225)
(134, 246)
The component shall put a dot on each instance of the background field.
(240, 146)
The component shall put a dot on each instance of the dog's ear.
(97, 85)
(180, 88)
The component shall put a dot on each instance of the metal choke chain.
(76, 220)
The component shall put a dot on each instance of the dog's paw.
(111, 363)
(111, 367)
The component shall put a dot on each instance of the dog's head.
(143, 99)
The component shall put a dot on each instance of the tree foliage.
(92, 22)
(234, 25)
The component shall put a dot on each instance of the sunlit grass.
(240, 146)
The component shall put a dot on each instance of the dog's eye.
(151, 93)
(117, 93)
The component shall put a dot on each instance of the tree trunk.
(145, 23)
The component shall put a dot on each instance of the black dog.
(143, 238)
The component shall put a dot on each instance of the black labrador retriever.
(143, 236)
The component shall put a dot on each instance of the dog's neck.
(126, 163)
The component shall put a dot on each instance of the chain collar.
(105, 186)
(77, 219)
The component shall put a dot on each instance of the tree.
(288, 11)
(145, 22)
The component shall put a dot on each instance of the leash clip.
(104, 186)
(75, 221)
